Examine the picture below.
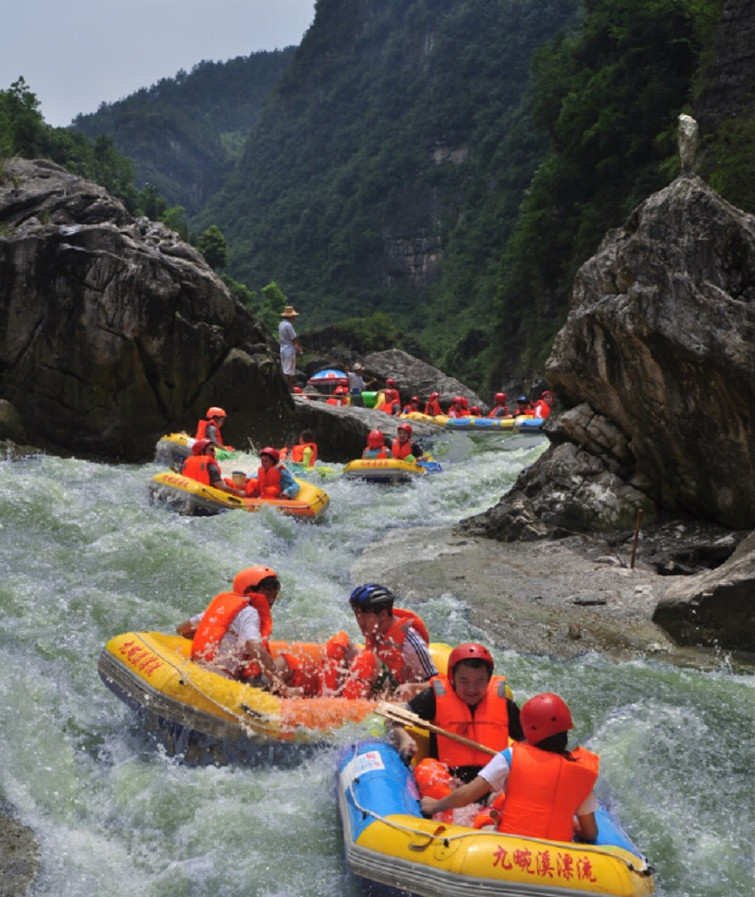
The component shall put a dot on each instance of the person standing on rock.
(289, 345)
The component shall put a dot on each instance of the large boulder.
(654, 367)
(114, 331)
(715, 608)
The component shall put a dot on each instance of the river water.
(84, 556)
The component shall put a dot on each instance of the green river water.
(84, 556)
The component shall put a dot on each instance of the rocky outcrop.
(417, 378)
(113, 331)
(654, 367)
(715, 608)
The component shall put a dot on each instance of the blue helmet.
(371, 597)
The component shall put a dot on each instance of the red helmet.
(543, 716)
(251, 577)
(375, 439)
(200, 445)
(297, 389)
(407, 427)
(273, 452)
(547, 396)
(475, 409)
(414, 399)
(390, 382)
(434, 395)
(500, 397)
(340, 390)
(391, 395)
(215, 412)
(458, 400)
(469, 651)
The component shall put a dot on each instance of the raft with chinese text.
(391, 848)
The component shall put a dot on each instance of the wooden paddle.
(406, 718)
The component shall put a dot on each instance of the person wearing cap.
(202, 467)
(402, 447)
(469, 701)
(274, 479)
(357, 383)
(548, 788)
(395, 657)
(289, 345)
(523, 407)
(231, 636)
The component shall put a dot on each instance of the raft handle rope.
(437, 835)
(187, 680)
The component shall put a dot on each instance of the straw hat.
(358, 367)
(288, 312)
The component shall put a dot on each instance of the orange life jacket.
(489, 725)
(202, 430)
(267, 484)
(216, 620)
(297, 452)
(389, 646)
(197, 468)
(504, 409)
(544, 791)
(433, 408)
(400, 450)
(541, 410)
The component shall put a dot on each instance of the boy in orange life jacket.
(549, 789)
(305, 451)
(376, 448)
(395, 652)
(470, 701)
(209, 427)
(402, 448)
(274, 479)
(202, 467)
(232, 635)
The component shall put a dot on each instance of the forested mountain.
(185, 133)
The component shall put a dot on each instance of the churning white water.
(85, 556)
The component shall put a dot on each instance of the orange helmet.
(469, 651)
(200, 445)
(215, 412)
(375, 439)
(251, 577)
(273, 452)
(545, 715)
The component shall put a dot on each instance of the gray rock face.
(716, 608)
(113, 331)
(654, 367)
(417, 378)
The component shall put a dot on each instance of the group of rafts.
(389, 846)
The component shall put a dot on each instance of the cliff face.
(112, 331)
(654, 367)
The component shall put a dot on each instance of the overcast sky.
(74, 55)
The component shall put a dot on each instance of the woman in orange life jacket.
(542, 407)
(232, 635)
(469, 701)
(209, 427)
(395, 658)
(500, 409)
(549, 789)
(273, 479)
(402, 448)
(432, 406)
(202, 467)
(376, 447)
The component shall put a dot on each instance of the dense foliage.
(184, 133)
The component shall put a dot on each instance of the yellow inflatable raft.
(153, 673)
(173, 449)
(384, 470)
(391, 848)
(191, 497)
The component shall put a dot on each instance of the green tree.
(213, 247)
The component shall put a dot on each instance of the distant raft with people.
(187, 496)
(391, 848)
(389, 470)
(153, 673)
